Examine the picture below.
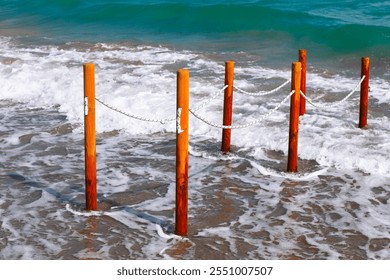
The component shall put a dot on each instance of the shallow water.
(239, 207)
(242, 205)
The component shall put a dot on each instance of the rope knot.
(178, 121)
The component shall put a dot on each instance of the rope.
(178, 121)
(197, 108)
(334, 104)
(255, 122)
(163, 121)
(263, 93)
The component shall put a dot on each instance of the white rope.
(86, 106)
(178, 121)
(197, 108)
(255, 122)
(334, 104)
(163, 121)
(263, 93)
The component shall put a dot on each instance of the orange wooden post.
(292, 164)
(182, 152)
(302, 60)
(365, 71)
(227, 105)
(90, 136)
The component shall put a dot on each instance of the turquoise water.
(327, 27)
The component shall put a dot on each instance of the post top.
(183, 71)
(89, 64)
(297, 64)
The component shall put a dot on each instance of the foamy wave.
(141, 80)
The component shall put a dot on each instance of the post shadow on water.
(74, 202)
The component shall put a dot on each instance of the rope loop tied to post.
(178, 121)
(334, 104)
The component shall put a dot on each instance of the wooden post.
(227, 105)
(90, 137)
(365, 71)
(182, 152)
(302, 60)
(292, 164)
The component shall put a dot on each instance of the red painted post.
(292, 163)
(227, 105)
(365, 71)
(90, 137)
(302, 60)
(182, 152)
